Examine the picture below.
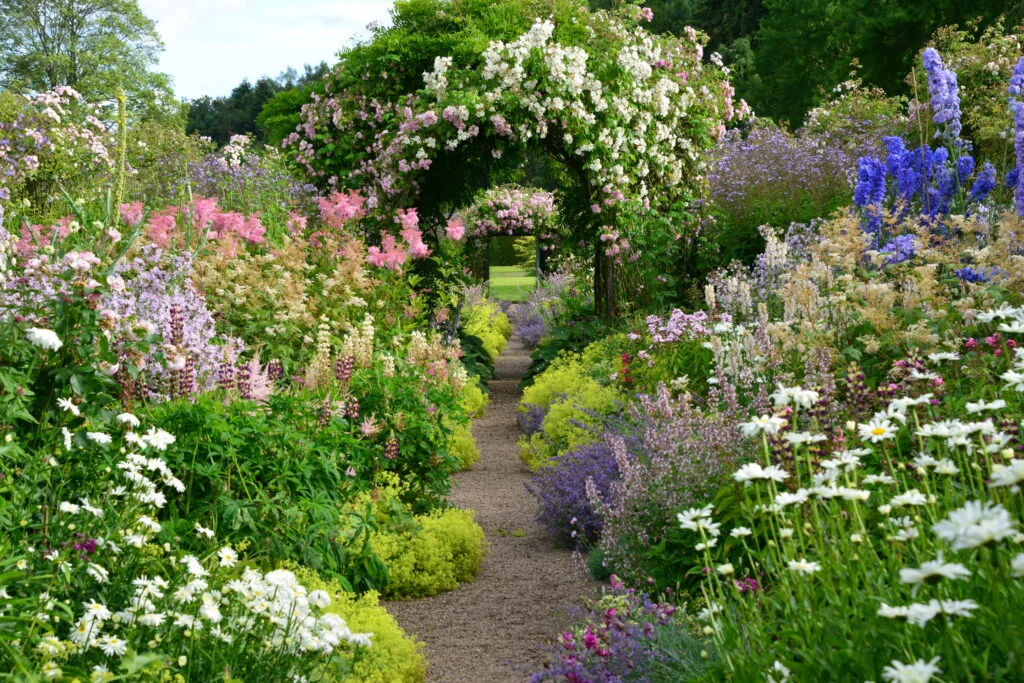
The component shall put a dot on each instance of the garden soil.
(492, 630)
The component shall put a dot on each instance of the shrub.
(464, 447)
(682, 454)
(573, 400)
(567, 513)
(445, 549)
(473, 399)
(486, 321)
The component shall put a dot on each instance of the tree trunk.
(604, 284)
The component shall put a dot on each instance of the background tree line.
(785, 55)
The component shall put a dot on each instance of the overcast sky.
(213, 44)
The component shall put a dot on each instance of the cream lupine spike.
(319, 370)
(359, 343)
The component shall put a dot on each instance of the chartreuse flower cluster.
(909, 526)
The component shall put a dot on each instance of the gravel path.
(491, 630)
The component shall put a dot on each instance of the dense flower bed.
(199, 400)
(831, 447)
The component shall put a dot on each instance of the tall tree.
(94, 46)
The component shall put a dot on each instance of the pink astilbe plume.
(132, 213)
(391, 256)
(203, 211)
(259, 384)
(411, 233)
(455, 229)
(340, 207)
(296, 223)
(162, 226)
(37, 236)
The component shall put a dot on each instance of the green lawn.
(511, 283)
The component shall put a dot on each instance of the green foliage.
(445, 548)
(94, 46)
(487, 322)
(571, 336)
(218, 118)
(464, 447)
(159, 155)
(393, 656)
(525, 249)
(268, 477)
(575, 403)
(501, 251)
(805, 47)
(684, 358)
(280, 114)
(475, 358)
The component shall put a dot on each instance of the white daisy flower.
(158, 438)
(769, 424)
(912, 497)
(1017, 565)
(918, 672)
(1010, 474)
(112, 646)
(753, 470)
(981, 406)
(99, 437)
(228, 557)
(975, 524)
(877, 430)
(804, 566)
(933, 571)
(128, 419)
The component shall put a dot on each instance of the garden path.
(491, 630)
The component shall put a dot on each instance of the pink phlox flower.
(81, 261)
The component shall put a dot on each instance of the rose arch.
(621, 116)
